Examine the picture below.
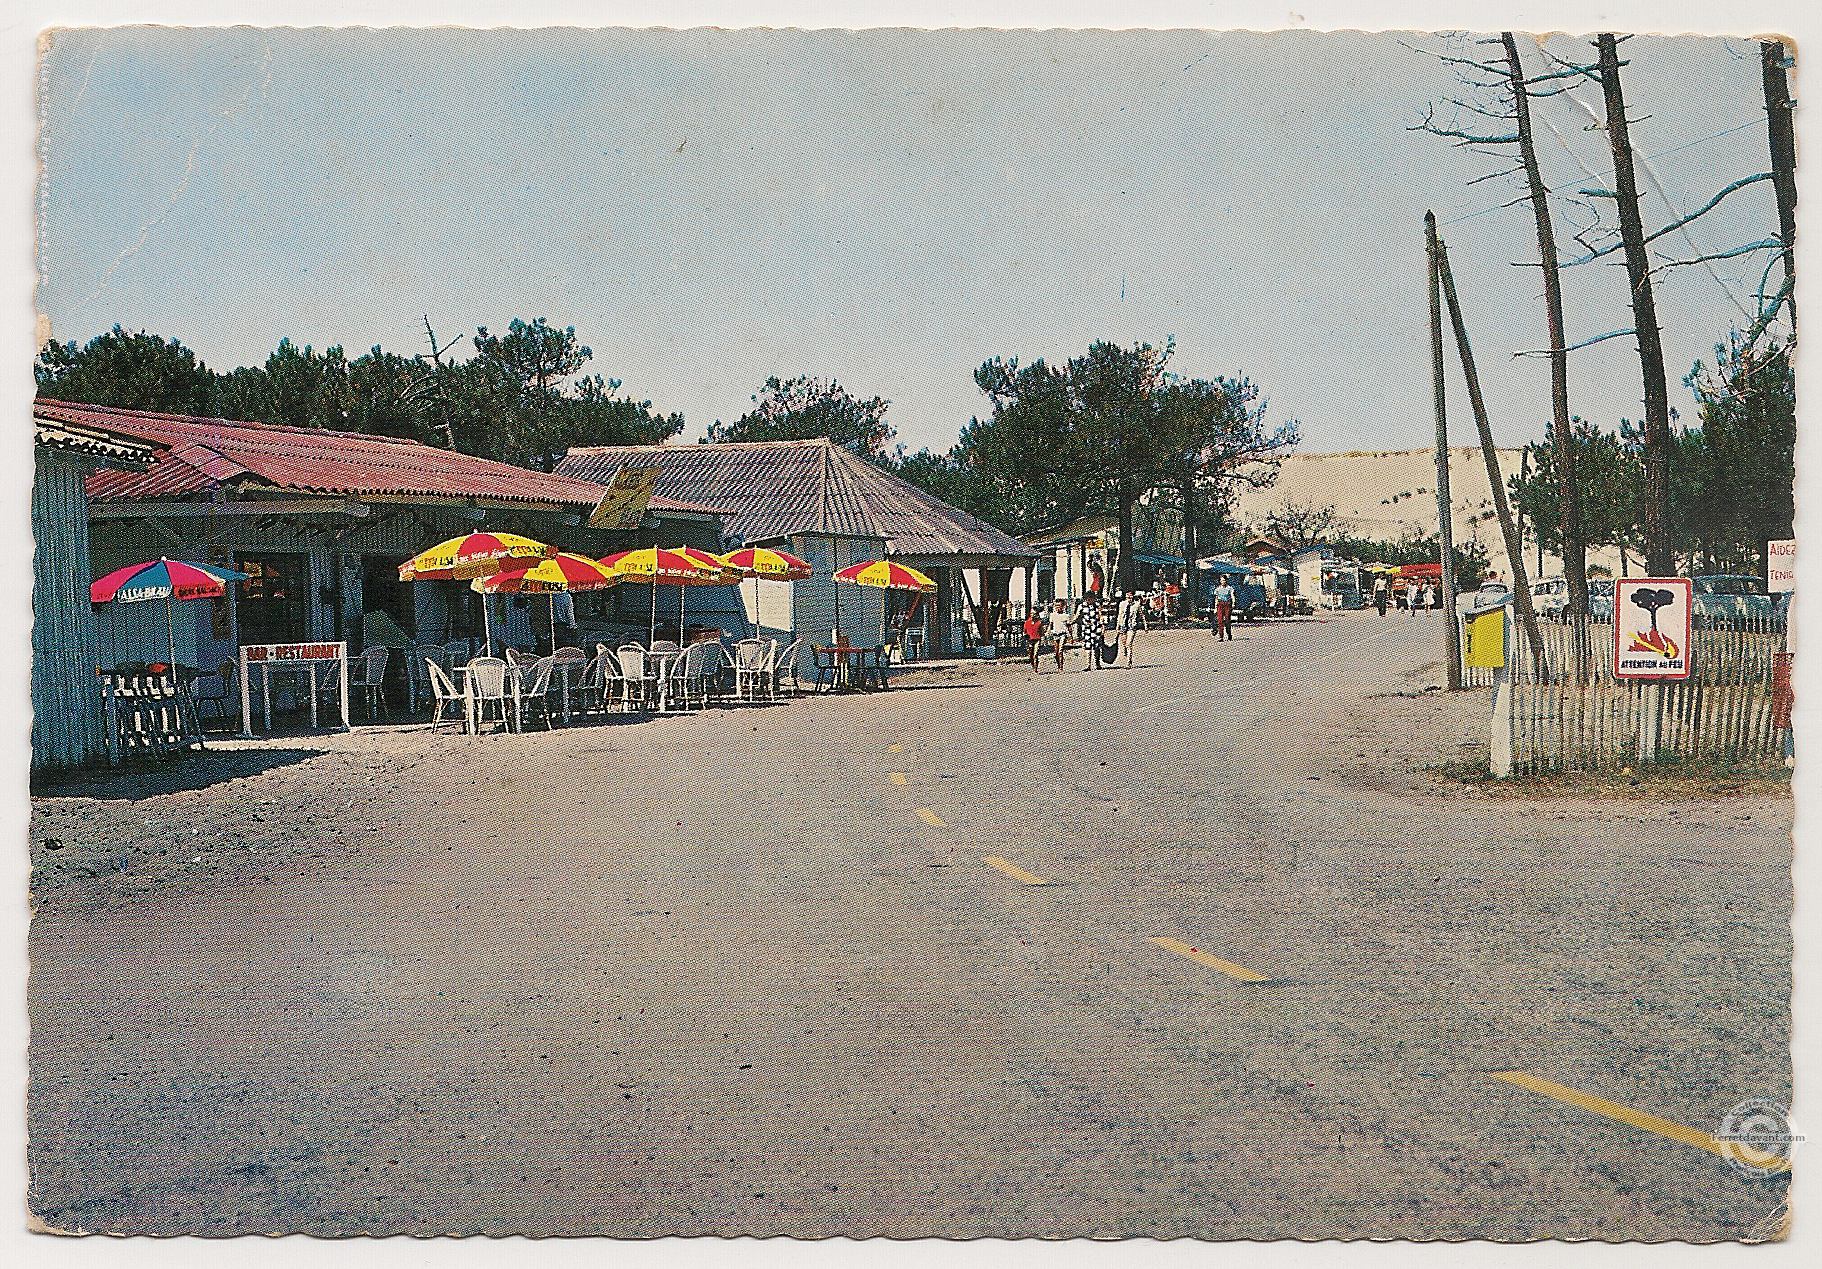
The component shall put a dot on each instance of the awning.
(1160, 560)
(1222, 566)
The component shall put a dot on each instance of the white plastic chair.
(417, 681)
(784, 667)
(638, 675)
(749, 667)
(370, 680)
(442, 690)
(533, 688)
(487, 685)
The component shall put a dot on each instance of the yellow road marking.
(898, 777)
(1646, 1120)
(928, 816)
(1012, 870)
(895, 747)
(1232, 970)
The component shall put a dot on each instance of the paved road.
(1182, 949)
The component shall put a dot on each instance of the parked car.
(1550, 597)
(1489, 594)
(1732, 599)
(1600, 599)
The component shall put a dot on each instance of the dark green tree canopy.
(804, 408)
(129, 370)
(521, 398)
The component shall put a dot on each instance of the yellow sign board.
(1487, 639)
(624, 503)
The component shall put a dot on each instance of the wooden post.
(1445, 523)
(1515, 550)
(1651, 714)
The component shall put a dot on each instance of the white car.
(1490, 594)
(1550, 597)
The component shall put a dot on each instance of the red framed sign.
(1653, 618)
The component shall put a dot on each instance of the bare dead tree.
(1660, 559)
(1517, 90)
(432, 384)
(1775, 61)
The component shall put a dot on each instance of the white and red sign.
(1653, 618)
(1781, 566)
(295, 651)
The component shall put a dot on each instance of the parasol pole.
(486, 627)
(170, 633)
(652, 636)
(552, 596)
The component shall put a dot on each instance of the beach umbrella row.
(505, 563)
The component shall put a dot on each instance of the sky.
(889, 208)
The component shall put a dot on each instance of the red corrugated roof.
(198, 455)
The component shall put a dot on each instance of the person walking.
(1128, 620)
(1224, 609)
(1382, 593)
(1088, 629)
(1056, 624)
(1034, 636)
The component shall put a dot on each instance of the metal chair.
(223, 698)
(826, 667)
(785, 666)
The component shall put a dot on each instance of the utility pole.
(1660, 557)
(1568, 491)
(1445, 528)
(1775, 58)
(1515, 549)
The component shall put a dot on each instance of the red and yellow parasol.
(660, 567)
(562, 573)
(881, 575)
(767, 562)
(470, 556)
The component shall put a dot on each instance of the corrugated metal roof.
(94, 442)
(199, 455)
(771, 489)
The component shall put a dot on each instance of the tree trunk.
(1772, 54)
(1568, 492)
(1187, 490)
(1660, 556)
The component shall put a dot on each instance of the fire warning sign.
(1652, 619)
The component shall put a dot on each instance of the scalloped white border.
(20, 20)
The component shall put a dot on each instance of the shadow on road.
(185, 774)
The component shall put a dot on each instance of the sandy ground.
(717, 975)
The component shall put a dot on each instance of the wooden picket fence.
(1572, 713)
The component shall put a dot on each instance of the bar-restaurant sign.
(294, 651)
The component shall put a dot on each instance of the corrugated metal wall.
(66, 697)
(813, 600)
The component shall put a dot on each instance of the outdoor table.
(269, 668)
(660, 663)
(847, 656)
